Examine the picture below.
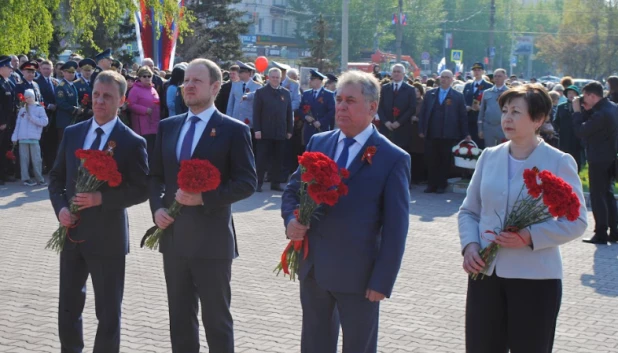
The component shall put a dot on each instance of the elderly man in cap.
(240, 103)
(473, 93)
(317, 107)
(8, 103)
(103, 62)
(29, 70)
(331, 83)
(67, 99)
(84, 87)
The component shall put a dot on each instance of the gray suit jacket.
(238, 108)
(294, 88)
(490, 192)
(490, 112)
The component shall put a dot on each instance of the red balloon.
(261, 63)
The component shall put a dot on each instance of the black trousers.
(4, 148)
(419, 170)
(439, 159)
(150, 142)
(270, 153)
(49, 144)
(107, 274)
(601, 176)
(505, 314)
(207, 280)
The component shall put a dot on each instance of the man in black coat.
(443, 122)
(273, 122)
(49, 142)
(8, 103)
(99, 237)
(397, 106)
(598, 128)
(224, 94)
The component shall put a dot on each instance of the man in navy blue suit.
(199, 245)
(356, 246)
(320, 115)
(99, 240)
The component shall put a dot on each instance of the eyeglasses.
(146, 76)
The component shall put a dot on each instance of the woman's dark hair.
(612, 82)
(536, 96)
(430, 82)
(419, 87)
(178, 76)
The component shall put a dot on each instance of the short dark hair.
(235, 68)
(595, 88)
(536, 96)
(430, 82)
(566, 81)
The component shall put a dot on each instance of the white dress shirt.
(316, 92)
(353, 150)
(92, 134)
(200, 126)
(397, 85)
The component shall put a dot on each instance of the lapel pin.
(213, 132)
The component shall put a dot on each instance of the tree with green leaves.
(216, 31)
(321, 48)
(29, 25)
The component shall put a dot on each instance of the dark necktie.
(396, 88)
(51, 85)
(243, 87)
(187, 142)
(342, 161)
(96, 144)
(315, 94)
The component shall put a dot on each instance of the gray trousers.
(31, 152)
(492, 134)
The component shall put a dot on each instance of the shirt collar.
(107, 127)
(500, 88)
(318, 90)
(478, 82)
(361, 138)
(442, 90)
(204, 116)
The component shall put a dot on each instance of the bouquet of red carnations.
(321, 183)
(196, 176)
(96, 168)
(552, 198)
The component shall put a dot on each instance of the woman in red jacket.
(145, 107)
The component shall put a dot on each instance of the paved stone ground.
(425, 314)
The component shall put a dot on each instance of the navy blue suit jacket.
(205, 231)
(322, 110)
(358, 243)
(456, 120)
(104, 228)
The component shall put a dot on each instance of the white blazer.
(491, 194)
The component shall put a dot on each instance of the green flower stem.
(153, 240)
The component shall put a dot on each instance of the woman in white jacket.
(31, 120)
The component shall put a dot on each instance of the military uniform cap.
(5, 61)
(29, 65)
(331, 77)
(69, 66)
(105, 54)
(116, 63)
(87, 64)
(316, 74)
(280, 66)
(478, 66)
(243, 66)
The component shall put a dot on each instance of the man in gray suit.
(240, 103)
(199, 244)
(273, 123)
(490, 114)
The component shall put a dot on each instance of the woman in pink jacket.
(145, 107)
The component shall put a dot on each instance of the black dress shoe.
(440, 190)
(429, 190)
(613, 238)
(597, 239)
(276, 187)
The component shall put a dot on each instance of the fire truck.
(384, 61)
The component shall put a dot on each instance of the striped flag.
(162, 49)
(394, 19)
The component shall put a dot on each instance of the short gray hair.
(274, 69)
(398, 65)
(370, 87)
(214, 71)
(501, 71)
(147, 61)
(110, 76)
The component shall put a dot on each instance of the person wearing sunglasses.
(144, 105)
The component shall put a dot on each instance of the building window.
(286, 29)
(274, 26)
(260, 25)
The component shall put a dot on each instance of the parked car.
(581, 82)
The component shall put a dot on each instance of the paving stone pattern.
(425, 313)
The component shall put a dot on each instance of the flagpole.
(399, 31)
(344, 35)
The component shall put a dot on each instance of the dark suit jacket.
(104, 228)
(24, 85)
(405, 102)
(322, 110)
(358, 244)
(598, 128)
(470, 95)
(456, 122)
(49, 97)
(272, 113)
(223, 96)
(205, 231)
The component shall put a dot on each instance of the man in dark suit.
(317, 107)
(224, 96)
(29, 70)
(8, 104)
(49, 142)
(199, 245)
(99, 237)
(443, 122)
(273, 122)
(339, 281)
(473, 92)
(598, 128)
(397, 106)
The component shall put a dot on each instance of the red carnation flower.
(10, 156)
(197, 175)
(396, 112)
